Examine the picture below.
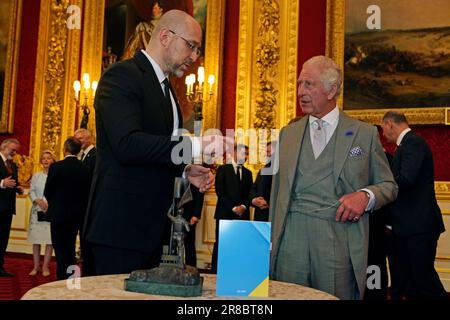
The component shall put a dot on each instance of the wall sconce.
(195, 91)
(87, 87)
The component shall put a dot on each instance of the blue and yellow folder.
(243, 258)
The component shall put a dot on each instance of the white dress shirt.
(402, 135)
(161, 77)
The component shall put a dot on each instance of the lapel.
(346, 132)
(155, 90)
(3, 170)
(295, 138)
(180, 115)
(398, 152)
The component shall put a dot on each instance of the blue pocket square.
(355, 152)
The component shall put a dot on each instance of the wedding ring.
(356, 218)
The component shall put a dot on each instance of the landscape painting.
(405, 63)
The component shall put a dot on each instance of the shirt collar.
(3, 157)
(159, 73)
(330, 118)
(86, 151)
(402, 135)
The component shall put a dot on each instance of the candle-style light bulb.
(211, 80)
(201, 77)
(94, 87)
(77, 88)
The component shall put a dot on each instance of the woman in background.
(39, 231)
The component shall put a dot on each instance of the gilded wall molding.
(56, 63)
(91, 49)
(7, 105)
(215, 18)
(267, 63)
(244, 68)
(442, 189)
(267, 54)
(335, 38)
(54, 75)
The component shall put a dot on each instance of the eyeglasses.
(190, 45)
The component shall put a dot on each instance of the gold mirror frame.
(335, 35)
(215, 23)
(11, 66)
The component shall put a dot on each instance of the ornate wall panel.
(56, 66)
(267, 63)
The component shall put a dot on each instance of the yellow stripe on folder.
(262, 290)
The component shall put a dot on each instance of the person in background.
(89, 154)
(415, 215)
(39, 231)
(66, 191)
(260, 191)
(192, 214)
(233, 183)
(9, 187)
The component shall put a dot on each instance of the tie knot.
(319, 124)
(166, 87)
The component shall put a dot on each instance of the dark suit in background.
(261, 188)
(416, 220)
(66, 190)
(89, 160)
(7, 208)
(230, 193)
(379, 247)
(192, 209)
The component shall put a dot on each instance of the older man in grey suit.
(332, 170)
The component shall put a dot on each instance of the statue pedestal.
(167, 279)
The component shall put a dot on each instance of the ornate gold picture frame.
(336, 15)
(10, 22)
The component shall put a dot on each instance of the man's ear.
(164, 36)
(332, 93)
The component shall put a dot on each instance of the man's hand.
(20, 189)
(352, 206)
(239, 210)
(200, 177)
(9, 182)
(260, 202)
(193, 220)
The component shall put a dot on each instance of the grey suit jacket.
(368, 169)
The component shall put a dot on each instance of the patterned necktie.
(319, 138)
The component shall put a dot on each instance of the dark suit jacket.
(261, 188)
(67, 190)
(133, 182)
(8, 195)
(89, 160)
(230, 193)
(416, 210)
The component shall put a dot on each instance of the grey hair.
(83, 131)
(9, 141)
(331, 74)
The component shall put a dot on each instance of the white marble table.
(111, 287)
